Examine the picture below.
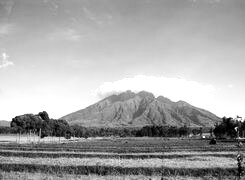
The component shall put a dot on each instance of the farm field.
(6, 138)
(120, 158)
(40, 176)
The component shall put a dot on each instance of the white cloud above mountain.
(173, 88)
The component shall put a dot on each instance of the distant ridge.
(130, 109)
(4, 123)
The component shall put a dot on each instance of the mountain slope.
(129, 109)
(4, 123)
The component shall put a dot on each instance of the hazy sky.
(63, 55)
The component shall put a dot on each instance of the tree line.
(44, 126)
(150, 131)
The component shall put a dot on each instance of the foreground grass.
(163, 155)
(130, 158)
(117, 170)
(188, 162)
(42, 176)
(127, 145)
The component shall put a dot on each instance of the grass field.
(12, 138)
(41, 176)
(120, 158)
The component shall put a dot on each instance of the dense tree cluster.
(7, 130)
(41, 123)
(229, 128)
(163, 131)
(150, 131)
(80, 131)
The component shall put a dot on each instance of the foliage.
(227, 128)
(7, 130)
(150, 131)
(41, 122)
(197, 131)
(44, 115)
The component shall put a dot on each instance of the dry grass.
(176, 159)
(193, 153)
(189, 162)
(24, 138)
(42, 176)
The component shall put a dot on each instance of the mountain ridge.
(129, 109)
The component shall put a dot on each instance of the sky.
(61, 56)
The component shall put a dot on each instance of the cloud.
(4, 63)
(53, 5)
(230, 86)
(173, 88)
(68, 34)
(207, 1)
(9, 6)
(6, 7)
(92, 16)
(5, 29)
(99, 19)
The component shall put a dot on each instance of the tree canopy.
(41, 121)
(229, 128)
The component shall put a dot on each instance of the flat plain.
(120, 158)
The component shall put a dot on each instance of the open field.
(125, 145)
(41, 176)
(187, 162)
(123, 158)
(24, 138)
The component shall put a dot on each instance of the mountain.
(130, 109)
(4, 123)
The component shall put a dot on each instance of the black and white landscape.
(122, 89)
